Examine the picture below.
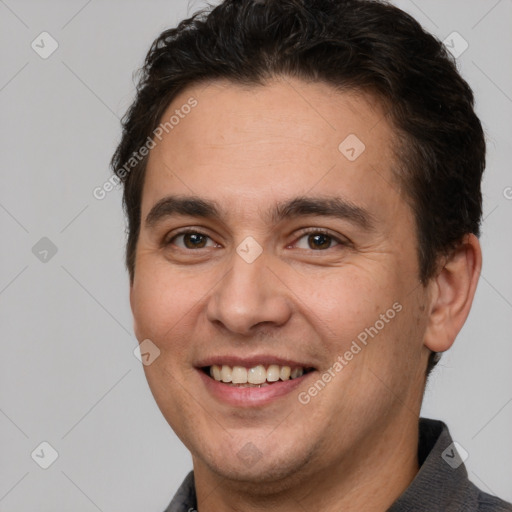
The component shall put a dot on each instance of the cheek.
(346, 301)
(160, 302)
(372, 323)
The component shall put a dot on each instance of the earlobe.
(453, 290)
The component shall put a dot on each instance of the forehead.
(284, 138)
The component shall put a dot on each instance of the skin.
(353, 446)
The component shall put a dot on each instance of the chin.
(262, 472)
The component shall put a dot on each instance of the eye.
(318, 240)
(191, 239)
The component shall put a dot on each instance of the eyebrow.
(302, 206)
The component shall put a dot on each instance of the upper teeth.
(255, 375)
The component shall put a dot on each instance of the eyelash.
(302, 234)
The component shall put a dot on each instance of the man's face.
(266, 285)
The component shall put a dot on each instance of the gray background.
(68, 375)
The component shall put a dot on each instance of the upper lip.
(250, 362)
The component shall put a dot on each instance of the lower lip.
(250, 396)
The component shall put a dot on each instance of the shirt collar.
(442, 480)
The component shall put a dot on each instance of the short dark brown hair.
(362, 45)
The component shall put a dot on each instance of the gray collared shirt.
(441, 484)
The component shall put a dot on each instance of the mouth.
(257, 376)
(253, 381)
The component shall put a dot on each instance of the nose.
(250, 295)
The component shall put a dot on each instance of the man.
(302, 186)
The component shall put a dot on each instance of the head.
(248, 111)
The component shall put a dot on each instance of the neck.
(370, 478)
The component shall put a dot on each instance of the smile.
(252, 383)
(256, 376)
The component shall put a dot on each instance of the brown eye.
(191, 240)
(194, 240)
(317, 241)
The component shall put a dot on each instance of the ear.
(452, 292)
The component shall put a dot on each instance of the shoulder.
(488, 503)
